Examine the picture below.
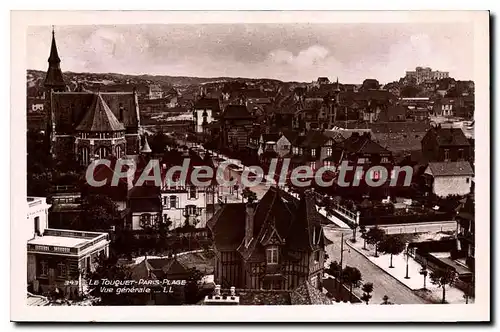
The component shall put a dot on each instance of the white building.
(450, 178)
(422, 74)
(56, 257)
(204, 112)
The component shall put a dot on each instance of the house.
(145, 207)
(449, 178)
(445, 107)
(236, 123)
(205, 110)
(392, 113)
(446, 144)
(56, 256)
(155, 91)
(275, 244)
(466, 230)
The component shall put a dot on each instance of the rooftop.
(68, 242)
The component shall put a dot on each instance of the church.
(84, 125)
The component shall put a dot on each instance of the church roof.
(100, 118)
(54, 77)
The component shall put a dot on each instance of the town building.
(275, 244)
(466, 232)
(205, 110)
(56, 256)
(422, 74)
(449, 178)
(85, 125)
(236, 123)
(155, 91)
(446, 144)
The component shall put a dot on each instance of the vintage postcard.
(292, 166)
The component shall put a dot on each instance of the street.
(383, 284)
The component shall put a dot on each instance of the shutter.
(177, 202)
(166, 202)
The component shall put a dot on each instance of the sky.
(288, 52)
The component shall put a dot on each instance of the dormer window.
(313, 152)
(272, 255)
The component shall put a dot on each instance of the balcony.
(67, 242)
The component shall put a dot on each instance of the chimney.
(249, 216)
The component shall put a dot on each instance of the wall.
(176, 215)
(283, 146)
(451, 185)
(39, 208)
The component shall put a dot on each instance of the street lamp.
(407, 259)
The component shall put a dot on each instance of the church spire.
(54, 78)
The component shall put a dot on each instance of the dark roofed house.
(145, 206)
(259, 245)
(236, 124)
(446, 144)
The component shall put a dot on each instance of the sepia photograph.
(256, 160)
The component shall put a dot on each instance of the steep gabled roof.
(362, 144)
(99, 118)
(457, 168)
(450, 136)
(236, 112)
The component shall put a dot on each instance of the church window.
(272, 255)
(84, 156)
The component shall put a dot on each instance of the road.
(383, 284)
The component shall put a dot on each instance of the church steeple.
(54, 79)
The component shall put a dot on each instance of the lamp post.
(407, 259)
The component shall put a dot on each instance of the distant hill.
(92, 80)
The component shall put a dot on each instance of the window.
(165, 202)
(313, 152)
(316, 256)
(272, 255)
(173, 202)
(102, 152)
(191, 210)
(192, 192)
(61, 269)
(384, 160)
(295, 150)
(446, 154)
(312, 165)
(37, 225)
(84, 154)
(314, 281)
(44, 268)
(327, 163)
(118, 151)
(286, 147)
(329, 151)
(460, 154)
(145, 220)
(467, 180)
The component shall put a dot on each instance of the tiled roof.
(314, 139)
(207, 103)
(308, 294)
(271, 137)
(450, 168)
(158, 268)
(71, 107)
(362, 144)
(236, 112)
(263, 297)
(450, 136)
(99, 118)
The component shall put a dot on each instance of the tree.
(351, 276)
(374, 236)
(192, 287)
(367, 289)
(392, 245)
(362, 230)
(410, 91)
(107, 268)
(249, 195)
(443, 277)
(159, 143)
(423, 271)
(99, 212)
(334, 269)
(386, 300)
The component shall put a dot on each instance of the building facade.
(422, 74)
(56, 257)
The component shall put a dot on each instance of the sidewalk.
(415, 281)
